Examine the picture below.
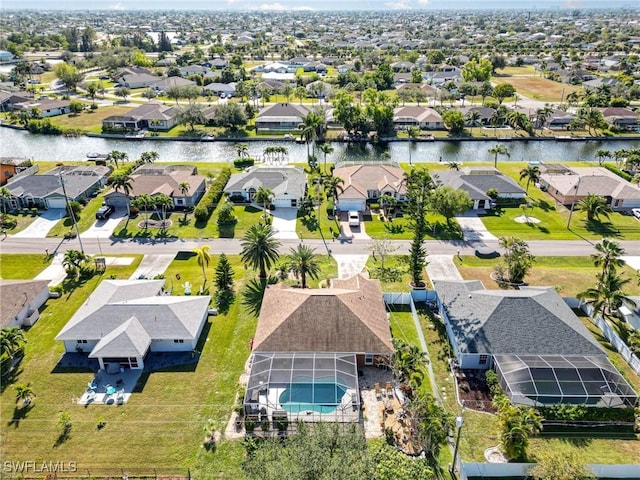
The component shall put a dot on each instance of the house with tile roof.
(363, 183)
(123, 320)
(541, 351)
(570, 185)
(288, 184)
(281, 116)
(21, 301)
(152, 115)
(424, 118)
(477, 181)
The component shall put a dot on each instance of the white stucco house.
(287, 183)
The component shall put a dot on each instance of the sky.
(288, 5)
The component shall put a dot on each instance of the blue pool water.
(319, 397)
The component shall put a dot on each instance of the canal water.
(18, 143)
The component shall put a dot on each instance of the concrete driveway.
(41, 225)
(473, 229)
(284, 223)
(352, 233)
(443, 267)
(104, 228)
(152, 265)
(350, 265)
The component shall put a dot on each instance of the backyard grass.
(22, 265)
(402, 325)
(569, 275)
(161, 427)
(89, 118)
(538, 88)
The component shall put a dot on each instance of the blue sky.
(287, 5)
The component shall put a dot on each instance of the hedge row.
(208, 202)
(618, 172)
(243, 162)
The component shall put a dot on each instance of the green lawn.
(85, 220)
(22, 266)
(22, 222)
(396, 277)
(163, 423)
(318, 225)
(402, 325)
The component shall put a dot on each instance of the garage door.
(351, 204)
(57, 203)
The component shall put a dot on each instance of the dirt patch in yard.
(539, 88)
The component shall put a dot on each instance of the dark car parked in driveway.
(104, 211)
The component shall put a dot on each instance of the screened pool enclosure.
(303, 386)
(552, 379)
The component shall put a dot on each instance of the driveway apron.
(41, 225)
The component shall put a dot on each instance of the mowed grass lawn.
(538, 88)
(22, 266)
(89, 119)
(161, 427)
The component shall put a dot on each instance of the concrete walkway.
(350, 265)
(152, 265)
(55, 272)
(284, 223)
(41, 225)
(473, 229)
(104, 228)
(443, 267)
(633, 262)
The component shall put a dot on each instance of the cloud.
(272, 7)
(116, 6)
(231, 2)
(399, 5)
(423, 2)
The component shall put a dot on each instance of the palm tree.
(607, 296)
(149, 157)
(542, 115)
(121, 180)
(144, 202)
(164, 203)
(12, 342)
(326, 149)
(204, 257)
(242, 149)
(184, 191)
(260, 248)
(387, 202)
(473, 119)
(496, 150)
(302, 262)
(453, 165)
(334, 186)
(407, 359)
(264, 196)
(92, 91)
(531, 173)
(413, 133)
(24, 393)
(595, 206)
(5, 195)
(608, 256)
(116, 156)
(73, 261)
(602, 155)
(312, 128)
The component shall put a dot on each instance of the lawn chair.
(389, 389)
(378, 391)
(120, 397)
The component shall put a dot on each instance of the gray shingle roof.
(128, 340)
(282, 180)
(532, 320)
(477, 185)
(41, 186)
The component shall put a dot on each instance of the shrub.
(243, 162)
(208, 202)
(617, 171)
(44, 126)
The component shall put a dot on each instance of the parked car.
(354, 219)
(636, 212)
(104, 211)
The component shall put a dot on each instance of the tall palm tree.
(144, 202)
(606, 297)
(73, 260)
(122, 180)
(116, 156)
(311, 129)
(326, 149)
(204, 257)
(608, 256)
(264, 196)
(242, 149)
(184, 190)
(303, 262)
(164, 203)
(149, 157)
(473, 119)
(531, 173)
(334, 186)
(413, 133)
(24, 393)
(92, 91)
(595, 206)
(260, 248)
(496, 150)
(12, 341)
(602, 155)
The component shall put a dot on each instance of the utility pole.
(459, 423)
(573, 203)
(70, 210)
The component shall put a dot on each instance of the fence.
(471, 471)
(33, 470)
(609, 334)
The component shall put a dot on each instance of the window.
(133, 362)
(179, 201)
(368, 358)
(483, 359)
(179, 341)
(82, 341)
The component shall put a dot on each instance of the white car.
(354, 219)
(636, 212)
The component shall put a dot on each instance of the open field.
(89, 119)
(538, 88)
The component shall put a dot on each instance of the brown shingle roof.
(167, 184)
(15, 294)
(348, 317)
(370, 177)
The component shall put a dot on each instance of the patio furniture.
(91, 386)
(389, 389)
(378, 391)
(110, 389)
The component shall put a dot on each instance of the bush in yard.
(74, 207)
(243, 162)
(208, 202)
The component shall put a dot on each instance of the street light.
(573, 203)
(459, 423)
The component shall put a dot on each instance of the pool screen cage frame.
(281, 370)
(545, 380)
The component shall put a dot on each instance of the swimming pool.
(319, 397)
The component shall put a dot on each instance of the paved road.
(232, 246)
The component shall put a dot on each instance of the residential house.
(217, 63)
(281, 116)
(215, 88)
(403, 66)
(152, 115)
(541, 351)
(560, 120)
(570, 185)
(288, 184)
(21, 301)
(47, 191)
(424, 118)
(154, 180)
(477, 181)
(9, 100)
(169, 82)
(47, 107)
(125, 71)
(122, 321)
(193, 70)
(11, 166)
(308, 347)
(631, 314)
(622, 118)
(137, 80)
(485, 113)
(367, 183)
